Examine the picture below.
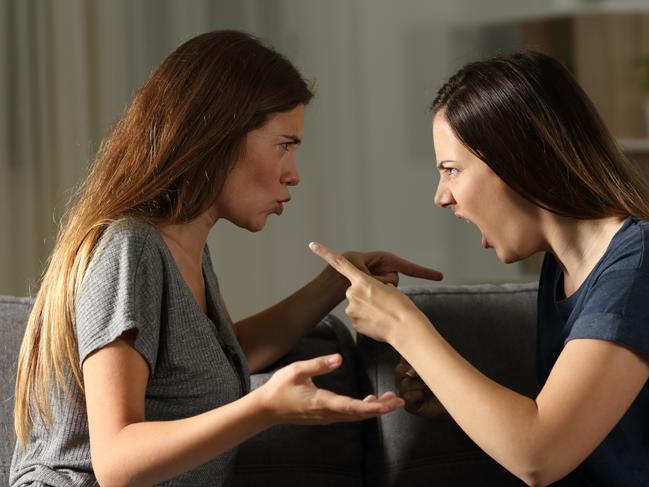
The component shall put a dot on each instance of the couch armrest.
(494, 328)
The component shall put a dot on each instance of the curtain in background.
(69, 67)
(47, 125)
(67, 70)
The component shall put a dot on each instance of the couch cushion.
(297, 455)
(13, 318)
(494, 328)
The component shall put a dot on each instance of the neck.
(189, 238)
(579, 244)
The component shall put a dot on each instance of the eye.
(286, 146)
(450, 171)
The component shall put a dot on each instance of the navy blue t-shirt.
(611, 304)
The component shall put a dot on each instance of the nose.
(443, 197)
(290, 175)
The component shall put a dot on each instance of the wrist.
(332, 280)
(262, 407)
(412, 325)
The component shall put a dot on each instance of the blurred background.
(68, 68)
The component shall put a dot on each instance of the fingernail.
(332, 360)
(314, 246)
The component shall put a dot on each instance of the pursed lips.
(279, 205)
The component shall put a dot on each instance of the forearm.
(146, 453)
(505, 424)
(268, 335)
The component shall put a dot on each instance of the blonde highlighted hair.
(165, 162)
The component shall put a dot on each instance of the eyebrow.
(294, 139)
(439, 164)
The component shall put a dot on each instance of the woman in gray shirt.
(131, 372)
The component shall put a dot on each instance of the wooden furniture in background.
(604, 50)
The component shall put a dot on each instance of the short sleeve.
(122, 290)
(617, 309)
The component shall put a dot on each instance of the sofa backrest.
(494, 328)
(13, 318)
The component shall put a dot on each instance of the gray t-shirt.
(195, 362)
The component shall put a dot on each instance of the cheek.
(263, 173)
(471, 196)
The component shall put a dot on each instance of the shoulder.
(125, 234)
(123, 289)
(126, 239)
(129, 250)
(622, 276)
(614, 305)
(629, 248)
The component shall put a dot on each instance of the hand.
(420, 400)
(385, 267)
(376, 309)
(290, 396)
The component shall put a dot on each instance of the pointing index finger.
(337, 261)
(415, 270)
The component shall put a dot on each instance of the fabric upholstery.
(296, 455)
(493, 327)
(13, 318)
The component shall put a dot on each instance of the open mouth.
(484, 243)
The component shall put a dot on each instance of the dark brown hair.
(527, 118)
(165, 162)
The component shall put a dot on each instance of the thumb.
(306, 369)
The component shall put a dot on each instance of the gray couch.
(493, 326)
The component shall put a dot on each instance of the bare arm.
(591, 386)
(268, 335)
(126, 450)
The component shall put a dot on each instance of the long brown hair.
(165, 162)
(527, 118)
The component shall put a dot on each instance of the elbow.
(112, 476)
(537, 468)
(109, 479)
(533, 480)
(540, 479)
(539, 474)
(529, 475)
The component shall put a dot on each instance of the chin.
(251, 225)
(511, 258)
(256, 226)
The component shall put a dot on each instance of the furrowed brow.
(293, 138)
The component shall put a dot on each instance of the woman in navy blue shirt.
(523, 155)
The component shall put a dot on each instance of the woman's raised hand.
(377, 309)
(385, 267)
(290, 396)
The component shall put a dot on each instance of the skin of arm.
(591, 386)
(539, 440)
(126, 450)
(270, 334)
